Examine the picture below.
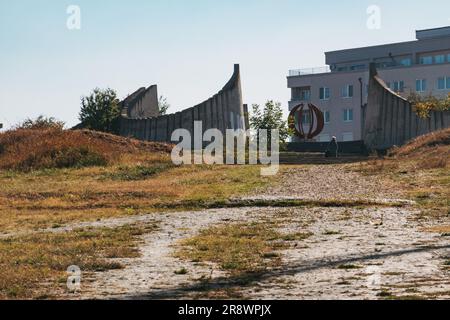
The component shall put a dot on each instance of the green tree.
(270, 117)
(100, 111)
(163, 105)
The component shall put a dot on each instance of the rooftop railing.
(303, 72)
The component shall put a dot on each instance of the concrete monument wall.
(390, 120)
(225, 110)
(141, 104)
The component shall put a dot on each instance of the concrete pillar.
(226, 110)
(161, 129)
(170, 126)
(214, 120)
(247, 117)
(446, 119)
(187, 119)
(220, 123)
(401, 122)
(153, 129)
(208, 114)
(408, 120)
(389, 118)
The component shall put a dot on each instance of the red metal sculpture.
(317, 121)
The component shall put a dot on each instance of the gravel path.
(338, 181)
(353, 253)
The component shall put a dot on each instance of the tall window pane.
(441, 83)
(327, 116)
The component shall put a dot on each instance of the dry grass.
(26, 150)
(35, 266)
(445, 230)
(237, 248)
(46, 198)
(431, 151)
(108, 176)
(421, 170)
(423, 145)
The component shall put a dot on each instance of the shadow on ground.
(227, 283)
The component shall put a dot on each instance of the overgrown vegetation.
(33, 148)
(420, 168)
(41, 123)
(35, 266)
(100, 111)
(424, 105)
(268, 118)
(163, 105)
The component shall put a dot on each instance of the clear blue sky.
(187, 47)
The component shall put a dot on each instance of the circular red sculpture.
(317, 121)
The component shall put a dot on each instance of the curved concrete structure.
(223, 111)
(390, 120)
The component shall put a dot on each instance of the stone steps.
(318, 158)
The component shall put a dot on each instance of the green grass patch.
(349, 267)
(139, 172)
(237, 248)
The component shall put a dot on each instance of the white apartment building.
(340, 89)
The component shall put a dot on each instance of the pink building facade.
(340, 89)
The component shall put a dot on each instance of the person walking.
(333, 149)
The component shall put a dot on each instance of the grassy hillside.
(31, 149)
(50, 178)
(421, 170)
(428, 151)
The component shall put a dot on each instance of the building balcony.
(309, 71)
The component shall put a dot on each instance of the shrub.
(424, 105)
(41, 123)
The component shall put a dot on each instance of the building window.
(443, 83)
(324, 93)
(306, 118)
(347, 92)
(327, 117)
(397, 86)
(358, 67)
(426, 60)
(406, 62)
(348, 115)
(301, 94)
(421, 85)
(347, 136)
(439, 58)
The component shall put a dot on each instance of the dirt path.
(352, 253)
